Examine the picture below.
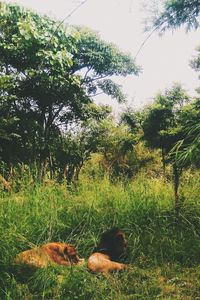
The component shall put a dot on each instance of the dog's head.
(71, 254)
(113, 243)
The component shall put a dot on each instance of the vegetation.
(69, 170)
(163, 256)
(173, 15)
(48, 74)
(176, 13)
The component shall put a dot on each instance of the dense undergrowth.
(163, 253)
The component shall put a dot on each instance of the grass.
(163, 254)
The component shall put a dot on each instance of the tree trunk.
(46, 123)
(51, 167)
(43, 163)
(70, 174)
(77, 171)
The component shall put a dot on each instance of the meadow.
(163, 252)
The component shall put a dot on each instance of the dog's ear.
(69, 250)
(65, 250)
(71, 254)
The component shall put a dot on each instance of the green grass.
(163, 254)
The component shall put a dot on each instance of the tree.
(74, 148)
(187, 149)
(163, 128)
(36, 63)
(176, 13)
(117, 146)
(48, 74)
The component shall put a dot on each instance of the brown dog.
(48, 254)
(112, 245)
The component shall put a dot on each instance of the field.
(163, 253)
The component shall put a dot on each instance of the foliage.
(187, 149)
(163, 128)
(176, 13)
(162, 125)
(73, 149)
(117, 146)
(133, 119)
(48, 74)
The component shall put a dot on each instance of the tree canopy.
(48, 76)
(162, 125)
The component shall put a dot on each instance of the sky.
(163, 59)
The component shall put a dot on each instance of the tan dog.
(112, 245)
(48, 254)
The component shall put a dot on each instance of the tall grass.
(159, 246)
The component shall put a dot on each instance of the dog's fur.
(49, 254)
(112, 245)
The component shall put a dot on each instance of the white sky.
(164, 60)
